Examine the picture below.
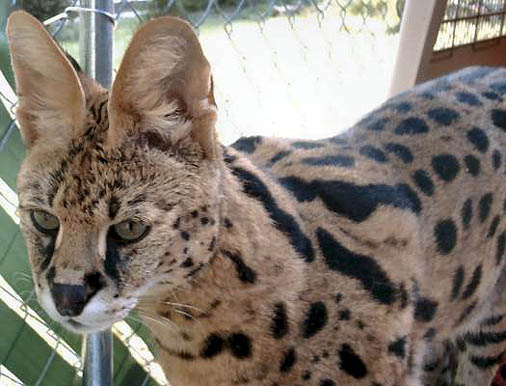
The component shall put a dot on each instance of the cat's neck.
(235, 288)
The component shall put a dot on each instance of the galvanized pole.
(86, 37)
(96, 44)
(104, 26)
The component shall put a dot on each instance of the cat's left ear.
(163, 89)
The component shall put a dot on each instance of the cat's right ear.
(51, 99)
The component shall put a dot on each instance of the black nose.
(69, 299)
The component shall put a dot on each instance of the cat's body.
(362, 259)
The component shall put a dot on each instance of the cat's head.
(118, 192)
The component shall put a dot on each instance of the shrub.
(43, 10)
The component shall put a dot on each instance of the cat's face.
(118, 195)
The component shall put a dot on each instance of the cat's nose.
(69, 299)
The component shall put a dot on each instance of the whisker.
(181, 305)
(186, 314)
(164, 321)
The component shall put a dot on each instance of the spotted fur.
(375, 257)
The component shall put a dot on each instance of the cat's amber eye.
(44, 222)
(130, 231)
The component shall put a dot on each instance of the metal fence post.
(96, 40)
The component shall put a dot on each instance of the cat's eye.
(44, 222)
(130, 231)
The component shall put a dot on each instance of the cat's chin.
(79, 328)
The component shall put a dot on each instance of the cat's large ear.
(164, 80)
(51, 99)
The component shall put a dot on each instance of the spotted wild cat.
(375, 257)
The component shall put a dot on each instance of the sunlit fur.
(242, 278)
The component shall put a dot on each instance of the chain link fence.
(293, 68)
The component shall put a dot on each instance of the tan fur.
(274, 262)
(50, 95)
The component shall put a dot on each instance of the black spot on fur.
(245, 273)
(306, 375)
(501, 243)
(473, 284)
(187, 263)
(425, 309)
(279, 156)
(402, 107)
(307, 145)
(445, 233)
(493, 320)
(499, 87)
(486, 362)
(446, 166)
(465, 314)
(185, 235)
(47, 252)
(398, 347)
(279, 324)
(482, 338)
(467, 213)
(286, 223)
(344, 314)
(247, 144)
(355, 202)
(458, 280)
(493, 226)
(228, 224)
(240, 345)
(204, 220)
(50, 275)
(373, 153)
(412, 126)
(330, 160)
(140, 198)
(472, 165)
(496, 159)
(153, 140)
(360, 267)
(478, 138)
(404, 296)
(194, 213)
(212, 244)
(484, 206)
(499, 118)
(327, 382)
(424, 182)
(429, 334)
(491, 95)
(468, 98)
(112, 260)
(177, 223)
(351, 363)
(316, 318)
(338, 297)
(114, 206)
(180, 354)
(288, 360)
(377, 125)
(228, 158)
(443, 115)
(213, 345)
(401, 151)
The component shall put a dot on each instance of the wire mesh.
(470, 22)
(301, 68)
